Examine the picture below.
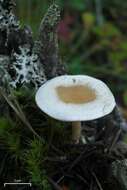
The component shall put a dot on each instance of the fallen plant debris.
(76, 166)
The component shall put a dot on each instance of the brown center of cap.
(77, 94)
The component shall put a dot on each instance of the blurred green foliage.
(92, 35)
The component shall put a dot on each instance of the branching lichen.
(47, 43)
(26, 69)
(7, 18)
(30, 64)
(4, 76)
(8, 22)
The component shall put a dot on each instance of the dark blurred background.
(92, 35)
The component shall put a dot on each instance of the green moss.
(5, 125)
(33, 158)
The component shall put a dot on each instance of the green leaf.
(125, 98)
(76, 67)
(107, 30)
(77, 4)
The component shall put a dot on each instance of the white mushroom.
(75, 98)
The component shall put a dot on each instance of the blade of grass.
(17, 109)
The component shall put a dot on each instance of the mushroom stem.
(76, 131)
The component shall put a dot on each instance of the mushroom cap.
(49, 101)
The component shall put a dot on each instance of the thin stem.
(99, 12)
(76, 131)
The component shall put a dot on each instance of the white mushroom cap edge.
(48, 101)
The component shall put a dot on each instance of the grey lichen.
(7, 18)
(50, 20)
(119, 169)
(47, 43)
(4, 75)
(8, 23)
(23, 67)
(26, 69)
(30, 63)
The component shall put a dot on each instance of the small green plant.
(10, 138)
(34, 158)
